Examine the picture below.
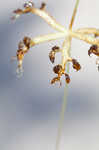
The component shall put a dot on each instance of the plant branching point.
(88, 35)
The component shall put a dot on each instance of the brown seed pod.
(52, 56)
(56, 79)
(67, 78)
(76, 65)
(53, 52)
(93, 50)
(57, 69)
(27, 42)
(20, 54)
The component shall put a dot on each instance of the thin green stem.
(74, 14)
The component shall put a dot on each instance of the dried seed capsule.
(56, 79)
(76, 65)
(57, 69)
(53, 52)
(93, 49)
(27, 42)
(67, 78)
(20, 54)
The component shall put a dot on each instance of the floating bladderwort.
(88, 35)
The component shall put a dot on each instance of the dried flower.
(85, 34)
(67, 78)
(56, 79)
(52, 53)
(57, 69)
(76, 65)
(52, 56)
(27, 42)
(93, 49)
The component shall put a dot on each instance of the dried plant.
(88, 35)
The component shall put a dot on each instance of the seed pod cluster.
(23, 48)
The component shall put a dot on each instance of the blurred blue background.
(30, 107)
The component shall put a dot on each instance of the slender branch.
(47, 38)
(48, 18)
(74, 14)
(87, 38)
(78, 35)
(88, 31)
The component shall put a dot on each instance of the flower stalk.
(88, 35)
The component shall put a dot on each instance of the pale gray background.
(30, 106)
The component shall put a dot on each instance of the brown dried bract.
(56, 79)
(93, 50)
(53, 52)
(55, 48)
(57, 69)
(76, 64)
(52, 56)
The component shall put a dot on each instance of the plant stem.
(66, 49)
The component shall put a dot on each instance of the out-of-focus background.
(30, 106)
